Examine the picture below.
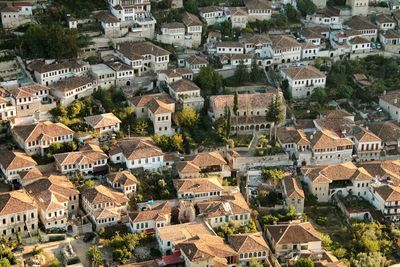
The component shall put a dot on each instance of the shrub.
(53, 238)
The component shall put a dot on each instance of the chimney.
(384, 92)
(311, 137)
(395, 100)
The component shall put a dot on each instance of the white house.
(137, 153)
(390, 103)
(103, 123)
(14, 162)
(303, 80)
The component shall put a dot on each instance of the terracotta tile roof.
(288, 135)
(388, 193)
(284, 42)
(158, 107)
(360, 23)
(391, 34)
(10, 9)
(336, 172)
(15, 202)
(196, 60)
(50, 193)
(293, 187)
(310, 34)
(256, 39)
(158, 213)
(11, 160)
(118, 66)
(257, 4)
(197, 185)
(191, 20)
(107, 17)
(186, 167)
(210, 9)
(136, 51)
(224, 206)
(27, 91)
(336, 114)
(46, 130)
(393, 98)
(184, 86)
(245, 101)
(101, 194)
(294, 233)
(385, 130)
(182, 232)
(387, 169)
(142, 101)
(207, 159)
(31, 174)
(238, 11)
(137, 148)
(364, 135)
(229, 44)
(212, 248)
(173, 25)
(327, 139)
(41, 67)
(177, 72)
(88, 155)
(72, 83)
(102, 120)
(242, 243)
(359, 40)
(334, 124)
(125, 178)
(302, 73)
(383, 18)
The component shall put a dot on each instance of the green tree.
(273, 174)
(292, 13)
(4, 262)
(345, 91)
(303, 262)
(141, 127)
(306, 7)
(177, 142)
(209, 81)
(191, 6)
(320, 95)
(95, 256)
(241, 74)
(375, 259)
(188, 117)
(255, 72)
(255, 263)
(275, 111)
(121, 255)
(236, 103)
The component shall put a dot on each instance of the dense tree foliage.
(209, 81)
(95, 256)
(52, 42)
(306, 7)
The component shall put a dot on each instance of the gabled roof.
(190, 20)
(71, 83)
(207, 247)
(11, 160)
(393, 98)
(125, 178)
(284, 41)
(158, 213)
(360, 23)
(224, 206)
(197, 185)
(388, 193)
(206, 159)
(328, 139)
(302, 73)
(257, 4)
(196, 60)
(288, 135)
(387, 169)
(336, 172)
(245, 101)
(101, 194)
(293, 188)
(41, 67)
(364, 135)
(359, 40)
(102, 120)
(293, 233)
(182, 232)
(89, 155)
(385, 130)
(142, 101)
(253, 242)
(184, 86)
(136, 51)
(136, 148)
(51, 192)
(27, 91)
(16, 202)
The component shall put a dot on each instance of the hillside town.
(184, 133)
